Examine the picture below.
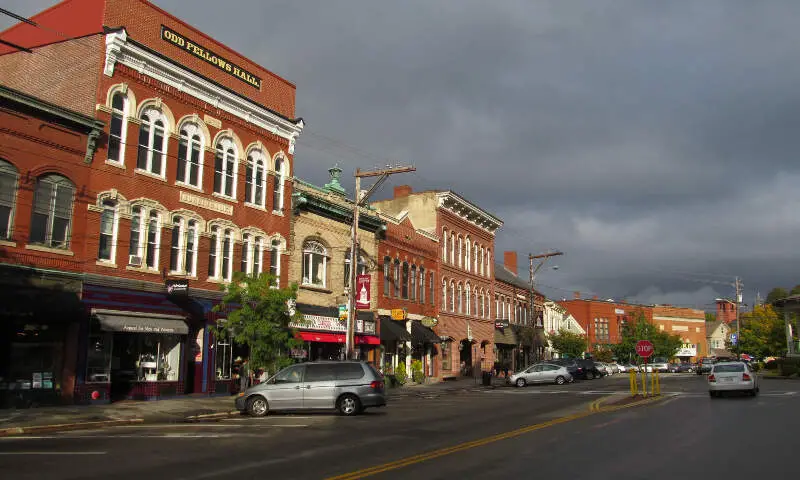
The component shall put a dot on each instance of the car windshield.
(732, 368)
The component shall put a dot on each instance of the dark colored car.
(681, 367)
(591, 369)
(573, 367)
(705, 365)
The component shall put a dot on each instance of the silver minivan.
(347, 386)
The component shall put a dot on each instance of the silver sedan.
(541, 373)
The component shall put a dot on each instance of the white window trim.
(275, 251)
(227, 143)
(257, 156)
(114, 233)
(123, 137)
(11, 170)
(192, 129)
(51, 213)
(308, 256)
(183, 246)
(150, 116)
(280, 185)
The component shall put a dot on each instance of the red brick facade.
(726, 310)
(689, 324)
(602, 319)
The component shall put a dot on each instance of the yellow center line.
(404, 462)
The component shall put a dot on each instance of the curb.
(212, 416)
(15, 431)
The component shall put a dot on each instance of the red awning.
(321, 337)
(367, 340)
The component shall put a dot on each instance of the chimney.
(594, 297)
(576, 295)
(510, 261)
(402, 191)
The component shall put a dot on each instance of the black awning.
(421, 334)
(133, 323)
(505, 336)
(392, 330)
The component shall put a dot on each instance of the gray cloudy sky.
(654, 142)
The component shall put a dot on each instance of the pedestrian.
(244, 376)
(505, 370)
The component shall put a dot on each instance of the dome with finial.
(334, 186)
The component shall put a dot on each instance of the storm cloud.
(653, 142)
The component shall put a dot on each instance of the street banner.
(362, 292)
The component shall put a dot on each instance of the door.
(319, 386)
(549, 373)
(285, 391)
(534, 374)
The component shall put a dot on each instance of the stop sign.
(644, 348)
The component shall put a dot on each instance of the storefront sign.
(148, 329)
(686, 352)
(177, 288)
(429, 322)
(362, 292)
(343, 313)
(501, 324)
(399, 314)
(619, 311)
(208, 204)
(203, 53)
(299, 353)
(317, 322)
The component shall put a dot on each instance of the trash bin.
(487, 379)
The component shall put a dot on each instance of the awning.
(392, 330)
(141, 323)
(421, 334)
(505, 336)
(321, 337)
(367, 340)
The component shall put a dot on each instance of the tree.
(603, 353)
(711, 317)
(761, 333)
(776, 294)
(568, 344)
(258, 317)
(665, 345)
(795, 290)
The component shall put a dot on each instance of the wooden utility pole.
(738, 285)
(542, 257)
(358, 202)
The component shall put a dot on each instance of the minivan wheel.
(348, 405)
(257, 406)
(521, 382)
(560, 380)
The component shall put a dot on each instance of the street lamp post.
(542, 258)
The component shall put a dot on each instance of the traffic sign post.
(644, 348)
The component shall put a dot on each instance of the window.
(223, 358)
(432, 283)
(483, 305)
(8, 195)
(258, 249)
(153, 241)
(254, 179)
(52, 211)
(444, 245)
(360, 270)
(446, 346)
(277, 189)
(387, 276)
(452, 247)
(275, 261)
(245, 247)
(225, 168)
(405, 281)
(116, 131)
(601, 333)
(467, 256)
(190, 156)
(321, 372)
(314, 263)
(183, 252)
(136, 231)
(213, 267)
(152, 156)
(444, 294)
(460, 252)
(467, 299)
(190, 251)
(397, 280)
(108, 231)
(452, 296)
(293, 374)
(475, 264)
(421, 285)
(227, 255)
(251, 255)
(481, 264)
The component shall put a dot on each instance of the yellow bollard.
(634, 383)
(644, 381)
(653, 381)
(658, 384)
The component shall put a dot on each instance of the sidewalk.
(76, 417)
(445, 386)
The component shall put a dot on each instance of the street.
(497, 433)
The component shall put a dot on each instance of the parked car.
(574, 369)
(614, 367)
(681, 367)
(541, 373)
(730, 377)
(705, 365)
(622, 368)
(591, 369)
(348, 386)
(604, 368)
(661, 367)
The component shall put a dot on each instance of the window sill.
(57, 251)
(255, 206)
(224, 197)
(315, 288)
(189, 186)
(278, 212)
(143, 270)
(218, 281)
(182, 275)
(139, 171)
(105, 263)
(115, 164)
(7, 243)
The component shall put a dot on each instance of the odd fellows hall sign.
(203, 53)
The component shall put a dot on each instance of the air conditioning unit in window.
(134, 261)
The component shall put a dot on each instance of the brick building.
(514, 331)
(189, 184)
(602, 319)
(689, 323)
(408, 283)
(320, 262)
(466, 264)
(726, 310)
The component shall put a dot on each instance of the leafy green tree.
(665, 345)
(568, 343)
(258, 317)
(711, 317)
(761, 333)
(603, 353)
(776, 294)
(795, 290)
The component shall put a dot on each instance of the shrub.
(789, 366)
(400, 373)
(771, 365)
(416, 372)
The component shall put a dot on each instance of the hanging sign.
(177, 288)
(342, 312)
(362, 292)
(429, 322)
(399, 314)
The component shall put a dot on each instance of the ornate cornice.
(467, 211)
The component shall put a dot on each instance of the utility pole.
(357, 203)
(542, 257)
(738, 285)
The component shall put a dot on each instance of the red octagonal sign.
(644, 348)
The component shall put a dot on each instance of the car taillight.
(711, 378)
(375, 385)
(746, 377)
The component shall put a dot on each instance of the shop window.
(387, 276)
(361, 268)
(223, 358)
(447, 345)
(152, 155)
(190, 156)
(99, 358)
(154, 358)
(51, 217)
(116, 131)
(278, 187)
(275, 261)
(404, 280)
(315, 263)
(255, 177)
(225, 168)
(108, 232)
(33, 356)
(8, 195)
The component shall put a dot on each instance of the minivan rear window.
(734, 368)
(349, 371)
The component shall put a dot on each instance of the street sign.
(644, 348)
(734, 339)
(342, 312)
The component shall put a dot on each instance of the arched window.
(444, 294)
(116, 131)
(387, 276)
(361, 268)
(107, 248)
(482, 299)
(467, 255)
(460, 252)
(227, 255)
(412, 280)
(444, 244)
(8, 196)
(488, 262)
(404, 286)
(183, 253)
(483, 264)
(460, 298)
(152, 156)
(254, 179)
(432, 283)
(252, 248)
(190, 156)
(152, 240)
(257, 252)
(246, 246)
(421, 285)
(275, 261)
(190, 250)
(397, 280)
(475, 309)
(475, 264)
(225, 168)
(452, 248)
(213, 255)
(315, 262)
(51, 217)
(467, 298)
(278, 187)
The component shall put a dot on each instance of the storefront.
(505, 342)
(424, 343)
(393, 343)
(324, 335)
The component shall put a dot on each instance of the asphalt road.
(463, 434)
